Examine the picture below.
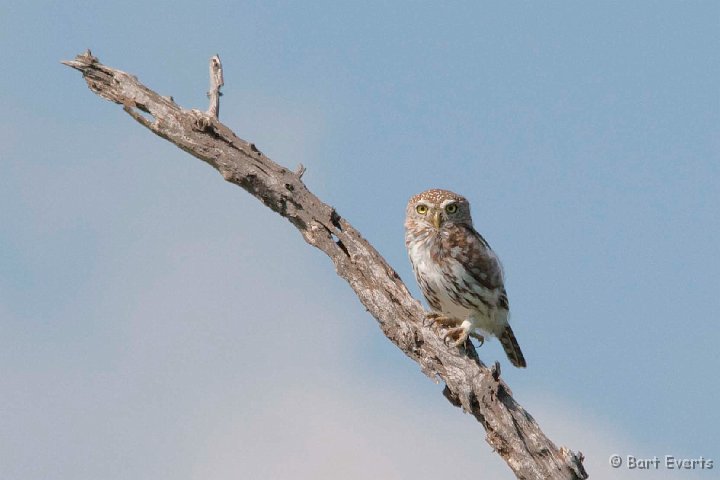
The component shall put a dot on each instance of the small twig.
(300, 170)
(216, 81)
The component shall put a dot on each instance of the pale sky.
(157, 322)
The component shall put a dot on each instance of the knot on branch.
(202, 122)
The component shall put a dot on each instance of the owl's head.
(437, 208)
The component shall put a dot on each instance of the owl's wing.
(479, 260)
(503, 300)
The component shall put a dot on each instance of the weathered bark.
(511, 431)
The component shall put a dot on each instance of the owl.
(458, 273)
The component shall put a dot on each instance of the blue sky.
(158, 322)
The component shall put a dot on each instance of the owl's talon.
(430, 318)
(478, 337)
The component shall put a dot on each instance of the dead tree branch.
(511, 431)
(216, 81)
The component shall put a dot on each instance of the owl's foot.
(441, 320)
(458, 332)
(458, 336)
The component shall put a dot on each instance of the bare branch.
(480, 391)
(216, 81)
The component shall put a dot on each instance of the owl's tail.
(511, 347)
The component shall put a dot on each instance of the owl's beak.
(436, 220)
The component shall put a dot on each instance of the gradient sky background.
(157, 322)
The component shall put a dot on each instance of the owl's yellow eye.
(451, 208)
(421, 209)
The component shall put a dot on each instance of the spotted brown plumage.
(458, 273)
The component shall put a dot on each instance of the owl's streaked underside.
(458, 273)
